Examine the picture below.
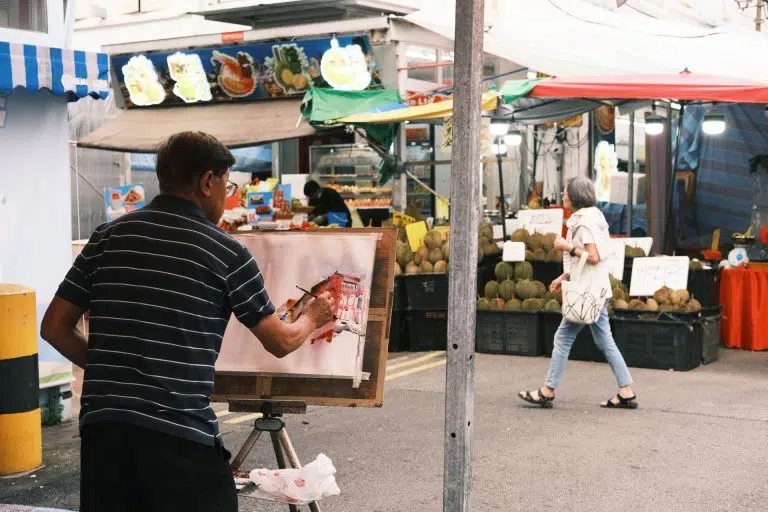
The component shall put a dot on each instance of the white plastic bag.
(583, 298)
(296, 486)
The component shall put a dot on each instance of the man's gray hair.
(581, 191)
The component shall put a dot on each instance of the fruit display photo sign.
(293, 264)
(246, 71)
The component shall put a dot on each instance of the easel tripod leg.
(245, 449)
(293, 459)
(280, 460)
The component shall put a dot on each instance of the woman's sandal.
(543, 401)
(624, 403)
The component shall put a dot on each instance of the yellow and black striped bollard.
(21, 447)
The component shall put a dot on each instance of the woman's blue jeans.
(601, 332)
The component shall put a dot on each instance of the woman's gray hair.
(581, 192)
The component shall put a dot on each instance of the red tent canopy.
(681, 86)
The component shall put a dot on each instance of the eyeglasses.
(231, 188)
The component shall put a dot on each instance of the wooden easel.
(272, 411)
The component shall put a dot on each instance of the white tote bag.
(583, 297)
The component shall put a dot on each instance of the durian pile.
(634, 252)
(432, 256)
(538, 247)
(664, 300)
(515, 290)
(485, 244)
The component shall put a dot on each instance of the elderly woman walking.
(587, 234)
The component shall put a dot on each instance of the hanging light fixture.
(499, 127)
(513, 138)
(499, 149)
(714, 123)
(654, 124)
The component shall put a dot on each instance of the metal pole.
(465, 220)
(670, 225)
(759, 16)
(631, 172)
(501, 193)
(591, 139)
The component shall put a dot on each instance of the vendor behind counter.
(327, 202)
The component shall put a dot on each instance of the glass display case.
(353, 171)
(420, 147)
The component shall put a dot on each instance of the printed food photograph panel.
(293, 264)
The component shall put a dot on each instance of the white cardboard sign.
(513, 251)
(548, 220)
(617, 258)
(650, 274)
(645, 243)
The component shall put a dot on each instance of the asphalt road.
(698, 442)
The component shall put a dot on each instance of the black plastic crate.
(658, 344)
(508, 332)
(398, 332)
(427, 330)
(709, 333)
(583, 349)
(704, 286)
(547, 271)
(426, 291)
(399, 302)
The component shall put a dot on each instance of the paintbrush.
(313, 296)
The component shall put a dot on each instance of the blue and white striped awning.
(61, 71)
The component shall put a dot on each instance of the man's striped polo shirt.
(160, 284)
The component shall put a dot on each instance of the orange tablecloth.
(744, 296)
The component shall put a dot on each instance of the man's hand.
(320, 310)
(281, 338)
(561, 244)
(557, 284)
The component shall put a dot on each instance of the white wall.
(56, 36)
(35, 226)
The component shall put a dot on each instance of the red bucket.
(764, 235)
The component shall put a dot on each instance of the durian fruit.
(497, 304)
(412, 269)
(685, 296)
(398, 270)
(441, 267)
(421, 255)
(528, 255)
(490, 248)
(651, 305)
(486, 232)
(513, 305)
(548, 241)
(483, 303)
(556, 255)
(618, 294)
(534, 242)
(534, 204)
(620, 304)
(540, 289)
(676, 297)
(533, 305)
(634, 252)
(662, 295)
(520, 235)
(403, 253)
(553, 306)
(539, 255)
(693, 306)
(696, 264)
(435, 255)
(525, 289)
(504, 271)
(426, 267)
(507, 289)
(636, 304)
(669, 307)
(523, 270)
(446, 251)
(558, 295)
(433, 239)
(491, 290)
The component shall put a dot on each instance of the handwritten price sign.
(650, 274)
(541, 221)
